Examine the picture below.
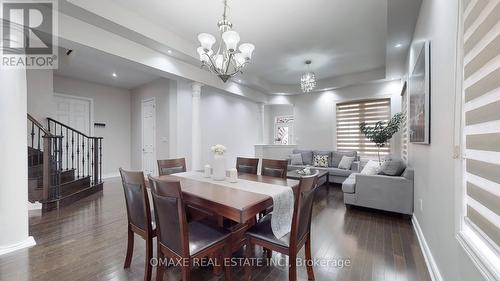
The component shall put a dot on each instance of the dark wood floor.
(87, 241)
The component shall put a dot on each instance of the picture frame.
(419, 128)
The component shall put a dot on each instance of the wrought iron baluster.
(73, 150)
(88, 155)
(39, 151)
(100, 160)
(67, 149)
(83, 156)
(77, 155)
(92, 162)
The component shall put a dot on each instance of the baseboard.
(111, 175)
(426, 251)
(29, 242)
(34, 206)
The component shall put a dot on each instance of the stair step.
(68, 199)
(75, 186)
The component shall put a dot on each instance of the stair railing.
(79, 151)
(49, 152)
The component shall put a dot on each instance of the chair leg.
(292, 268)
(310, 272)
(248, 255)
(226, 261)
(149, 255)
(130, 248)
(160, 268)
(186, 271)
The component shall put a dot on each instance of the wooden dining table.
(237, 205)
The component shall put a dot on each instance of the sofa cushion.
(371, 168)
(323, 152)
(320, 160)
(348, 186)
(346, 162)
(392, 166)
(296, 159)
(337, 157)
(339, 172)
(307, 156)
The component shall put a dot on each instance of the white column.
(261, 122)
(13, 167)
(196, 127)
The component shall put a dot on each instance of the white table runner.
(283, 200)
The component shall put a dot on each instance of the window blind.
(350, 115)
(481, 96)
(404, 126)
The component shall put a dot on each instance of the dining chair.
(139, 215)
(171, 166)
(261, 233)
(247, 165)
(274, 168)
(178, 239)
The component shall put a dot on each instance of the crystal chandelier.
(226, 61)
(308, 80)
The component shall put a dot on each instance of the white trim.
(34, 206)
(111, 175)
(479, 259)
(91, 109)
(28, 242)
(426, 251)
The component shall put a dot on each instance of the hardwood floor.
(87, 241)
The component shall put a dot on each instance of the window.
(404, 126)
(283, 129)
(480, 233)
(350, 115)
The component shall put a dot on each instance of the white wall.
(434, 163)
(112, 107)
(159, 90)
(315, 120)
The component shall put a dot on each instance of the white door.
(76, 113)
(148, 136)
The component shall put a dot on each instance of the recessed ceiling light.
(398, 45)
(239, 80)
(169, 51)
(114, 74)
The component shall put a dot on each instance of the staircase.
(64, 165)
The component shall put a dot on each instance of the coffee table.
(322, 175)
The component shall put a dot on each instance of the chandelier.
(308, 80)
(226, 61)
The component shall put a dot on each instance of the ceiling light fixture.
(308, 79)
(169, 51)
(226, 61)
(114, 74)
(399, 45)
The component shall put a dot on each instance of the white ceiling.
(91, 65)
(340, 36)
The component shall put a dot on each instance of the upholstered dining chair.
(178, 239)
(247, 165)
(139, 216)
(171, 166)
(274, 168)
(261, 233)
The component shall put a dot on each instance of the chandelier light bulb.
(204, 56)
(206, 40)
(231, 38)
(219, 61)
(239, 58)
(246, 50)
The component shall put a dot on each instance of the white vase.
(219, 168)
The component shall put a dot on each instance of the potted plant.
(381, 132)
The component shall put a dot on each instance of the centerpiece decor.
(219, 163)
(381, 132)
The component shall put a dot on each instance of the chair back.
(170, 215)
(274, 168)
(171, 166)
(136, 199)
(247, 165)
(304, 197)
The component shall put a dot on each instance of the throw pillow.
(296, 159)
(307, 156)
(320, 160)
(392, 166)
(346, 162)
(371, 168)
(337, 157)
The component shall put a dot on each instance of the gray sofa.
(335, 175)
(388, 193)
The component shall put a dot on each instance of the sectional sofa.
(335, 174)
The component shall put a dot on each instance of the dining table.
(230, 203)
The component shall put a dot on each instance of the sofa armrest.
(385, 192)
(355, 166)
